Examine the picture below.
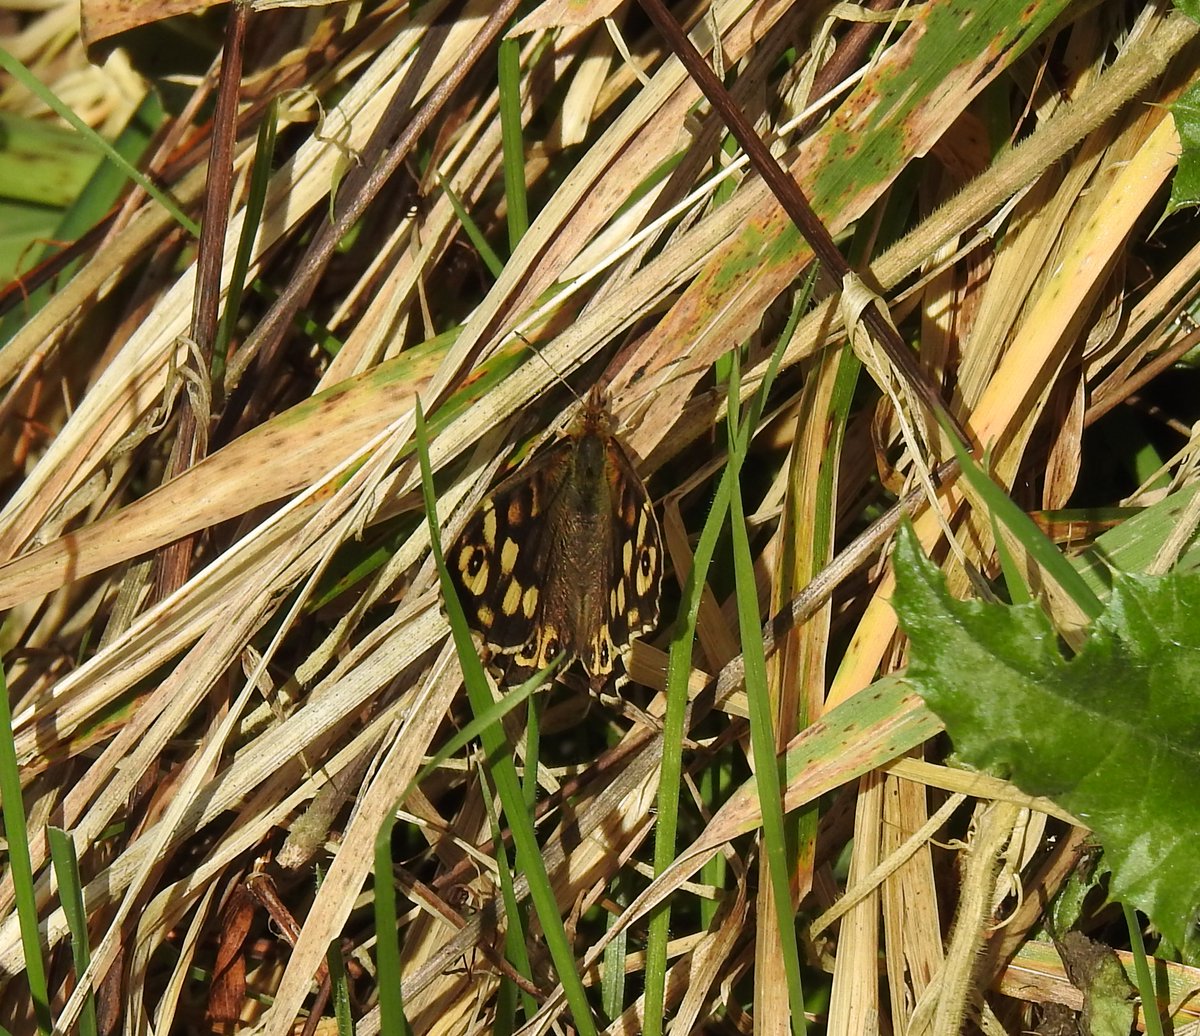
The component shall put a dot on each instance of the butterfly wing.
(635, 571)
(563, 558)
(500, 562)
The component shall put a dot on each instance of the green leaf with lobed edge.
(1112, 735)
(1185, 188)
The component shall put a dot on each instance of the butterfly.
(564, 557)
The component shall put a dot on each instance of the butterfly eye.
(603, 655)
(475, 562)
(645, 562)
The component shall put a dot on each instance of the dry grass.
(211, 729)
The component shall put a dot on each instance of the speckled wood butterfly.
(563, 557)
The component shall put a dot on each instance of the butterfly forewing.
(499, 562)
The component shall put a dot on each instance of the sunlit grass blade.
(504, 773)
(70, 892)
(679, 668)
(19, 863)
(516, 200)
(762, 735)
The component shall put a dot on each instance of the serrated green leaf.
(1189, 7)
(1112, 735)
(1185, 188)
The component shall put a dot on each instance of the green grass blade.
(1041, 549)
(612, 982)
(19, 863)
(486, 252)
(256, 197)
(42, 165)
(34, 85)
(392, 1019)
(762, 734)
(715, 783)
(508, 785)
(89, 207)
(679, 667)
(533, 751)
(1014, 578)
(104, 188)
(518, 919)
(1141, 969)
(514, 934)
(394, 1022)
(517, 202)
(70, 893)
(340, 989)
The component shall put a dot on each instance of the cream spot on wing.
(529, 602)
(489, 524)
(473, 567)
(647, 566)
(528, 652)
(627, 556)
(508, 555)
(548, 648)
(486, 616)
(512, 599)
(619, 593)
(604, 653)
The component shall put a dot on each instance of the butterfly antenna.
(553, 370)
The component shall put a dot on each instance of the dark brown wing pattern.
(635, 571)
(499, 562)
(563, 558)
